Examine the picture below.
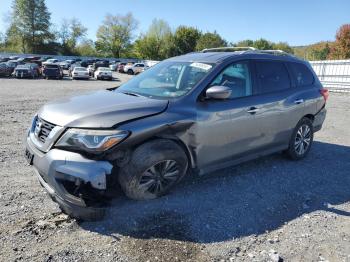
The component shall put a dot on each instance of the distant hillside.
(317, 51)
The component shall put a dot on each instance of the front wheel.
(301, 140)
(153, 170)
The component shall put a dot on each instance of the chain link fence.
(333, 74)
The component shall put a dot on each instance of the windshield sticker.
(205, 67)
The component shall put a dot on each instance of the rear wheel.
(130, 72)
(154, 169)
(301, 140)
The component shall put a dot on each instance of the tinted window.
(272, 76)
(237, 77)
(302, 74)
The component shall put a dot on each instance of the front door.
(227, 129)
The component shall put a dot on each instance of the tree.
(155, 44)
(86, 48)
(30, 24)
(210, 40)
(115, 34)
(262, 44)
(244, 43)
(71, 32)
(341, 47)
(185, 40)
(2, 42)
(283, 46)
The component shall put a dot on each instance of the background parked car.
(4, 59)
(36, 67)
(102, 63)
(135, 69)
(51, 61)
(80, 73)
(91, 70)
(26, 71)
(103, 73)
(114, 66)
(52, 71)
(12, 65)
(120, 68)
(127, 67)
(71, 68)
(65, 65)
(4, 70)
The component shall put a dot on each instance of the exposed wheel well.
(175, 140)
(310, 116)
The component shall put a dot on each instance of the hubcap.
(302, 139)
(159, 177)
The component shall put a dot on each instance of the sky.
(298, 22)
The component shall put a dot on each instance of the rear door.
(279, 108)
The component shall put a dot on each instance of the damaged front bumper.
(76, 183)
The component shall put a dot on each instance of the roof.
(218, 57)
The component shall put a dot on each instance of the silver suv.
(200, 112)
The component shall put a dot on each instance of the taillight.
(325, 93)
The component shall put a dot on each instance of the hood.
(101, 109)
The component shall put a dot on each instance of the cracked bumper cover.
(58, 165)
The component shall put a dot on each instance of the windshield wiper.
(131, 94)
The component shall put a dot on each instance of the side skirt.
(240, 160)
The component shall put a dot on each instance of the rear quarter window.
(302, 74)
(272, 76)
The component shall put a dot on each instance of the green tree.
(210, 40)
(244, 43)
(115, 34)
(155, 44)
(262, 44)
(2, 42)
(283, 46)
(71, 32)
(185, 40)
(86, 48)
(30, 24)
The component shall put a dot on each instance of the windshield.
(51, 66)
(79, 68)
(104, 69)
(167, 79)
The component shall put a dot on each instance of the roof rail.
(274, 52)
(227, 48)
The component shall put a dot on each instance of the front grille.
(42, 129)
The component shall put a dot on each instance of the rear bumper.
(62, 173)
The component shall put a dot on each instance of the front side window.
(303, 76)
(237, 77)
(167, 79)
(272, 76)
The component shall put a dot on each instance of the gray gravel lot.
(264, 210)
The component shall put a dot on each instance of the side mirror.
(218, 92)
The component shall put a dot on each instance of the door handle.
(253, 110)
(299, 101)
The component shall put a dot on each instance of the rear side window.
(302, 74)
(272, 76)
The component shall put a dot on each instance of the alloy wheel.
(302, 139)
(159, 177)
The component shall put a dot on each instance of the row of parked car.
(48, 67)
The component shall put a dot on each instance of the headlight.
(92, 141)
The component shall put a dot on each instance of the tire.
(153, 163)
(302, 137)
(130, 72)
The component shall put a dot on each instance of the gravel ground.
(270, 209)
